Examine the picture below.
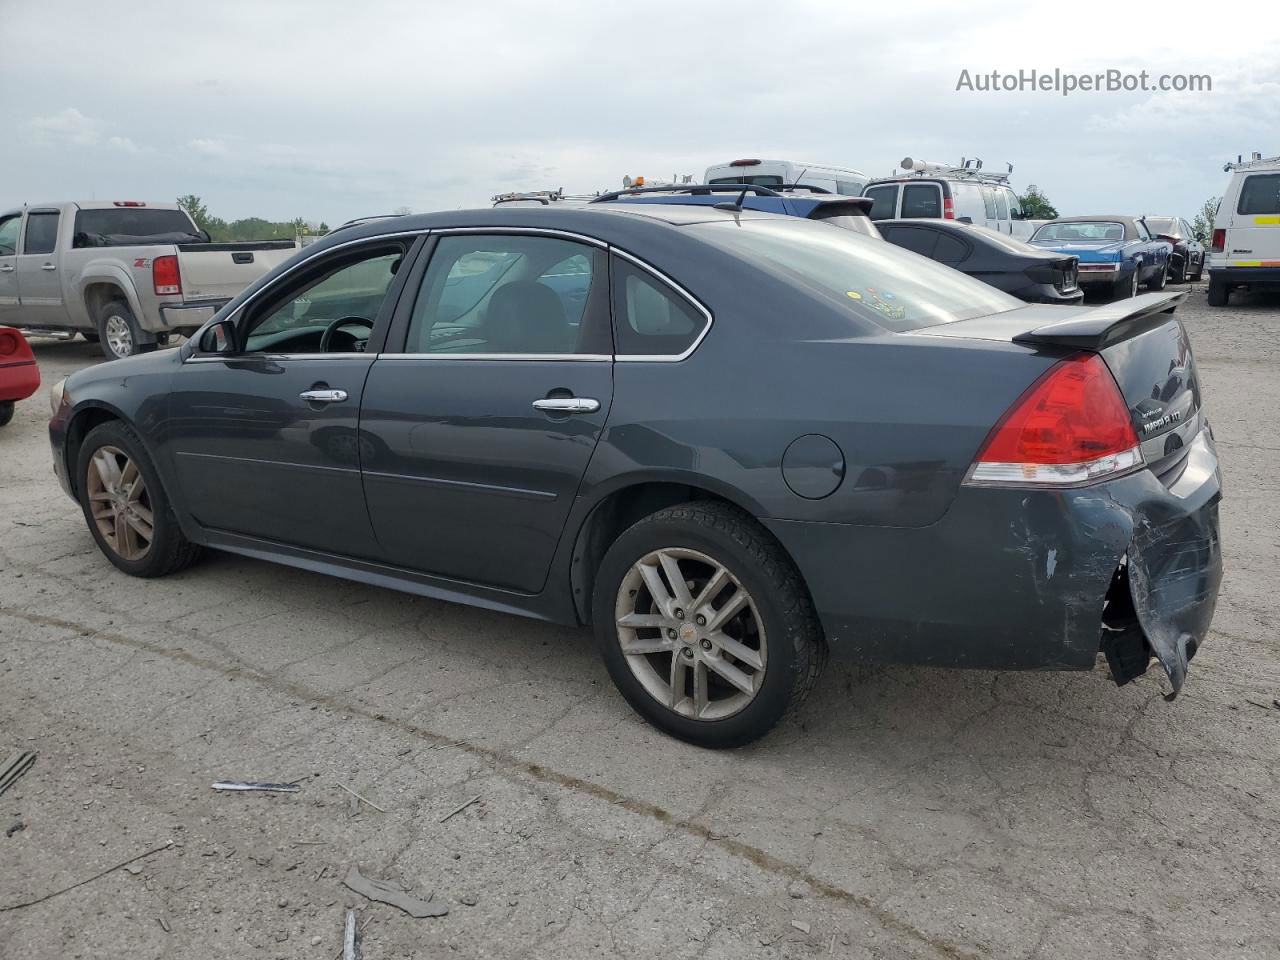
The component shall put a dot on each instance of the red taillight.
(165, 276)
(129, 203)
(1071, 426)
(1219, 241)
(743, 163)
(9, 340)
(948, 209)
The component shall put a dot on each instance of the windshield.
(124, 226)
(1095, 231)
(877, 281)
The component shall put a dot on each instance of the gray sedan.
(727, 440)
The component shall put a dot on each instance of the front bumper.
(1019, 579)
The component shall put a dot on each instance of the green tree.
(1204, 219)
(1036, 206)
(196, 210)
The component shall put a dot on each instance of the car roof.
(1118, 218)
(973, 231)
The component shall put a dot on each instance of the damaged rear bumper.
(1024, 579)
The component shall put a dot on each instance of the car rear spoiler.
(1102, 326)
(841, 207)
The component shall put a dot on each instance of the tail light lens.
(948, 209)
(1219, 241)
(165, 276)
(1070, 427)
(9, 342)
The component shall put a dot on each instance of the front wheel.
(705, 625)
(125, 506)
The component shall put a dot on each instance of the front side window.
(512, 295)
(42, 233)
(884, 201)
(651, 319)
(1002, 205)
(989, 202)
(9, 235)
(1015, 205)
(1260, 194)
(330, 308)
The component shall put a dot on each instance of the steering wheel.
(335, 325)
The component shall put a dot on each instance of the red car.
(19, 375)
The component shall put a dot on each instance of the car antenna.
(734, 205)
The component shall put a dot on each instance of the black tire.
(90, 336)
(1124, 289)
(6, 412)
(1161, 279)
(1219, 293)
(170, 550)
(119, 333)
(1181, 275)
(797, 649)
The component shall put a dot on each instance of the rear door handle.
(323, 396)
(567, 405)
(49, 266)
(7, 268)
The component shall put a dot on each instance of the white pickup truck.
(124, 272)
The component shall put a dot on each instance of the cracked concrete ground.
(908, 813)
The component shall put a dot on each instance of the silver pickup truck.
(124, 272)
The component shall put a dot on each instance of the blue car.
(1116, 254)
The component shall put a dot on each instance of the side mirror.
(220, 339)
(1202, 238)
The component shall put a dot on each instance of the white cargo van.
(778, 173)
(965, 192)
(1245, 247)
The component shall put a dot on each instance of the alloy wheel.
(120, 503)
(119, 335)
(1133, 283)
(691, 634)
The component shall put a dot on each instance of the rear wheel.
(125, 506)
(705, 626)
(1219, 293)
(1161, 278)
(1127, 288)
(6, 412)
(119, 332)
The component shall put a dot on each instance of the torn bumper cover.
(1030, 579)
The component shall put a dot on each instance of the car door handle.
(49, 266)
(567, 405)
(323, 396)
(7, 268)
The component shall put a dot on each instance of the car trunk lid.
(219, 271)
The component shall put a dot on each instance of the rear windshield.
(760, 180)
(1164, 225)
(1260, 194)
(121, 227)
(1086, 230)
(875, 280)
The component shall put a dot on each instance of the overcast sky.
(336, 110)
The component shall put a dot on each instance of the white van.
(1245, 247)
(936, 190)
(778, 173)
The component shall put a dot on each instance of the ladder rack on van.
(1257, 161)
(969, 169)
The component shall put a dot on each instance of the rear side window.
(9, 235)
(919, 240)
(650, 319)
(42, 233)
(1260, 194)
(884, 201)
(950, 249)
(921, 200)
(121, 227)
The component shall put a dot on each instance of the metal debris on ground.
(14, 767)
(360, 798)
(96, 876)
(267, 787)
(351, 938)
(801, 925)
(458, 810)
(164, 924)
(384, 891)
(16, 828)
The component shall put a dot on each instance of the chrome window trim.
(579, 357)
(508, 231)
(693, 301)
(241, 357)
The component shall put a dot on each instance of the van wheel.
(119, 332)
(705, 625)
(126, 508)
(1219, 293)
